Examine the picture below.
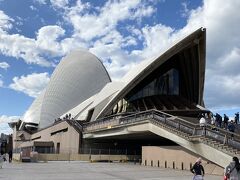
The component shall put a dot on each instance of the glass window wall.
(166, 84)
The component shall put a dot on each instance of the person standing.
(232, 171)
(231, 128)
(225, 121)
(236, 118)
(213, 122)
(202, 123)
(198, 170)
(10, 156)
(218, 120)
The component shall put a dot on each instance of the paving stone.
(64, 170)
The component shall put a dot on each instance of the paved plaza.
(64, 170)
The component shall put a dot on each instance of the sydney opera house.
(156, 104)
(81, 86)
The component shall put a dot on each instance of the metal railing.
(74, 122)
(110, 151)
(156, 117)
(91, 151)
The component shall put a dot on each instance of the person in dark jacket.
(198, 170)
(225, 121)
(218, 120)
(10, 156)
(236, 118)
(231, 127)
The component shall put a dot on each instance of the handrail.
(74, 122)
(120, 119)
(218, 134)
(223, 131)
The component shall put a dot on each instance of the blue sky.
(35, 35)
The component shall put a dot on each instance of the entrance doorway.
(58, 148)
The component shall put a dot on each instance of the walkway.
(63, 170)
(210, 143)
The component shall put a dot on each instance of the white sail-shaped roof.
(104, 101)
(32, 115)
(146, 67)
(78, 76)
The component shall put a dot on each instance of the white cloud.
(21, 47)
(156, 39)
(8, 119)
(5, 21)
(185, 11)
(47, 38)
(59, 3)
(222, 76)
(91, 25)
(48, 42)
(116, 60)
(143, 11)
(1, 82)
(222, 91)
(229, 63)
(4, 120)
(5, 129)
(31, 84)
(33, 51)
(98, 32)
(33, 8)
(55, 3)
(42, 2)
(4, 65)
(73, 43)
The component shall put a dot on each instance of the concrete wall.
(16, 157)
(84, 157)
(63, 157)
(175, 157)
(17, 140)
(69, 141)
(80, 157)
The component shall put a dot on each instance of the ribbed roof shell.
(78, 76)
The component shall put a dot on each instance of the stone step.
(234, 150)
(237, 152)
(211, 142)
(229, 149)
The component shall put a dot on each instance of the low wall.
(175, 157)
(79, 157)
(63, 157)
(122, 158)
(16, 157)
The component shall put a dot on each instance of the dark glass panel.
(166, 84)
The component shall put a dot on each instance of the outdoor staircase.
(218, 139)
(173, 130)
(223, 147)
(226, 148)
